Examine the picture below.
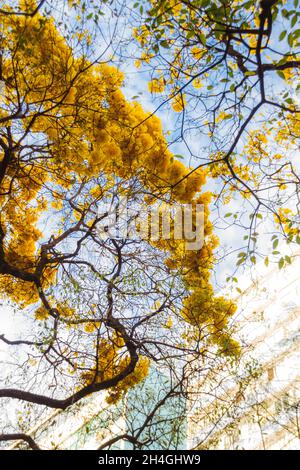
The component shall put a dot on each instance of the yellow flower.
(157, 85)
(197, 83)
(169, 323)
(178, 102)
(58, 204)
(197, 52)
(41, 313)
(90, 327)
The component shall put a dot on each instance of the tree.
(231, 71)
(100, 308)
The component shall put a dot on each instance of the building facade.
(257, 404)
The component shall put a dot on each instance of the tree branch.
(20, 436)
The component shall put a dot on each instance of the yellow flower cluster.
(110, 363)
(207, 313)
(283, 218)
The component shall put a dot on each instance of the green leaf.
(297, 33)
(291, 39)
(248, 4)
(190, 34)
(177, 155)
(165, 44)
(280, 74)
(294, 20)
(281, 263)
(202, 38)
(282, 35)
